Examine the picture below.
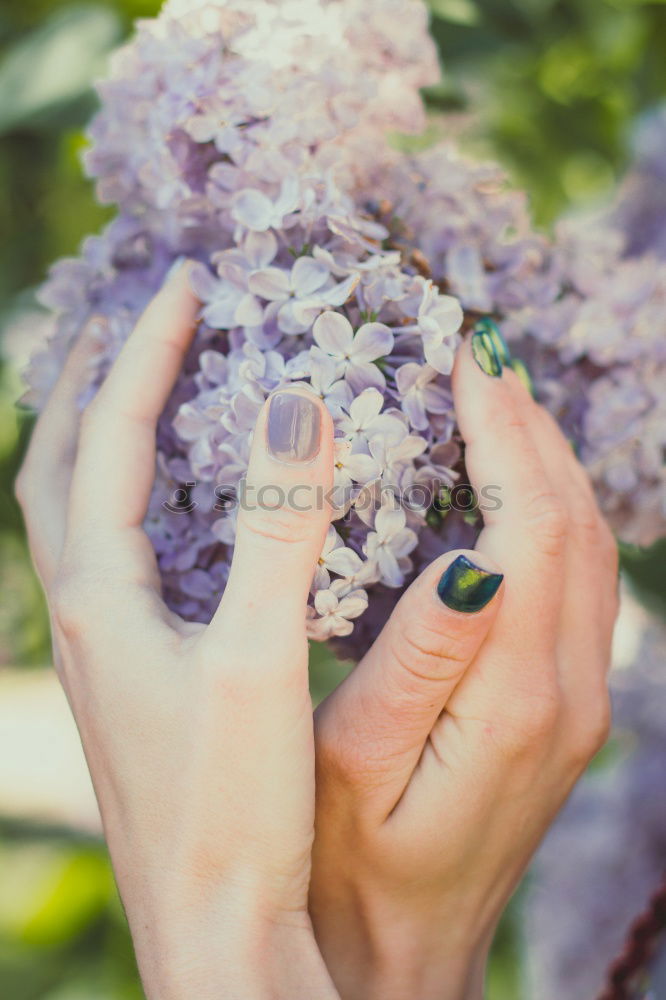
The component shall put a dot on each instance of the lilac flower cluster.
(640, 207)
(252, 138)
(604, 856)
(586, 316)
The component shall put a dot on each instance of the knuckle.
(546, 516)
(280, 524)
(78, 597)
(532, 726)
(68, 603)
(426, 653)
(587, 527)
(592, 732)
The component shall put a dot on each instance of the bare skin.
(440, 761)
(445, 755)
(199, 740)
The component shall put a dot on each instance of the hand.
(443, 758)
(199, 740)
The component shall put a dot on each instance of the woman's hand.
(199, 740)
(445, 755)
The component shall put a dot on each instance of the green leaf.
(55, 64)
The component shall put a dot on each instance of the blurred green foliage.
(554, 86)
(550, 87)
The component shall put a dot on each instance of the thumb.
(406, 678)
(283, 517)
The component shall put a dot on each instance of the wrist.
(377, 951)
(426, 973)
(211, 958)
(445, 975)
(282, 964)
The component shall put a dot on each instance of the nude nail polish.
(294, 427)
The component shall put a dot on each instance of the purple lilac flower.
(639, 211)
(252, 139)
(587, 318)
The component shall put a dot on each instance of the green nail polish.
(489, 326)
(522, 371)
(465, 587)
(485, 354)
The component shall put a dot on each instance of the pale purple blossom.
(252, 138)
(356, 351)
(336, 613)
(335, 558)
(365, 418)
(420, 394)
(389, 545)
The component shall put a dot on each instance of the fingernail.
(485, 354)
(489, 326)
(465, 587)
(294, 427)
(522, 371)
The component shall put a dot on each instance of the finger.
(525, 532)
(43, 483)
(590, 591)
(588, 525)
(590, 601)
(283, 518)
(387, 707)
(115, 466)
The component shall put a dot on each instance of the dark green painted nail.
(465, 587)
(489, 326)
(485, 354)
(522, 371)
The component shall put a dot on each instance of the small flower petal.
(372, 341)
(334, 334)
(269, 283)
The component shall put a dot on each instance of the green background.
(549, 87)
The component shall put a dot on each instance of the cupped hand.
(445, 755)
(199, 740)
